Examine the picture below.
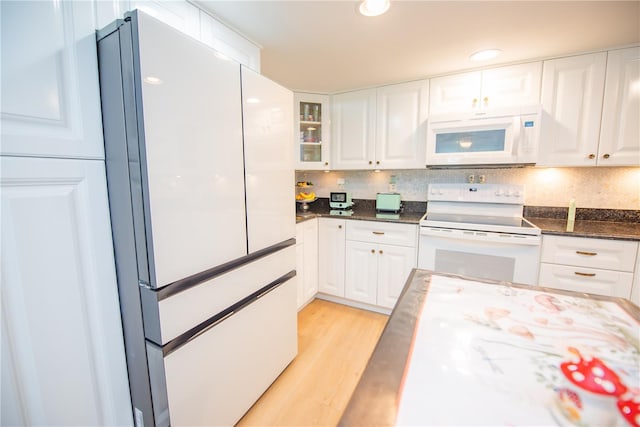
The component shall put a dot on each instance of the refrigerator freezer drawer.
(179, 313)
(215, 378)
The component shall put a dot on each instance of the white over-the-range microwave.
(484, 138)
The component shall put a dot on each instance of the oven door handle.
(481, 236)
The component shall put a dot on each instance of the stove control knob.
(498, 193)
(434, 190)
(516, 193)
(507, 193)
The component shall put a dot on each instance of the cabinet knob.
(475, 101)
(370, 162)
(486, 100)
(378, 161)
(326, 163)
(605, 156)
(592, 156)
(380, 252)
(373, 251)
(339, 226)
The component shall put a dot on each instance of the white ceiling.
(327, 46)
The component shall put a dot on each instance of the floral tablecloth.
(489, 354)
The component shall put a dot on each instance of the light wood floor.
(334, 345)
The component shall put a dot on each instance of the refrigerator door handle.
(203, 327)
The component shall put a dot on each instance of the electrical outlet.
(471, 178)
(340, 181)
(482, 179)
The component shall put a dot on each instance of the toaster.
(388, 202)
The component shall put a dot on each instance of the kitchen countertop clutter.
(596, 223)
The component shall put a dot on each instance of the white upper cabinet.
(572, 92)
(515, 85)
(312, 131)
(620, 131)
(50, 96)
(181, 15)
(383, 128)
(353, 129)
(401, 125)
(215, 34)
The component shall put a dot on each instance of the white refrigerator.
(199, 156)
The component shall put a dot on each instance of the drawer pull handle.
(587, 253)
(379, 233)
(577, 273)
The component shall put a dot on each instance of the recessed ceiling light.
(483, 55)
(374, 7)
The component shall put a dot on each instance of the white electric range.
(478, 230)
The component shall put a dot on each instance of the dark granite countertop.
(585, 228)
(595, 223)
(364, 210)
(618, 224)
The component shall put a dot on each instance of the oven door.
(486, 255)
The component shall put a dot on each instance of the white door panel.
(620, 134)
(268, 141)
(193, 138)
(394, 265)
(50, 97)
(62, 349)
(213, 384)
(361, 272)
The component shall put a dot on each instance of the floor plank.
(334, 345)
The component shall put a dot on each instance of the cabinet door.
(590, 280)
(572, 91)
(310, 287)
(311, 131)
(227, 42)
(401, 125)
(181, 15)
(268, 159)
(62, 347)
(512, 86)
(353, 129)
(331, 240)
(454, 94)
(394, 265)
(361, 272)
(620, 132)
(50, 94)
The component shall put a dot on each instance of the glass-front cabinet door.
(312, 131)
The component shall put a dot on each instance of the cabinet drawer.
(382, 232)
(178, 313)
(589, 280)
(592, 253)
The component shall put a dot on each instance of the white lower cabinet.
(375, 271)
(597, 266)
(306, 261)
(331, 241)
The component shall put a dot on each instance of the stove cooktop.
(512, 225)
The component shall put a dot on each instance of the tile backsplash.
(592, 187)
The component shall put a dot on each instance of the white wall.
(598, 187)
